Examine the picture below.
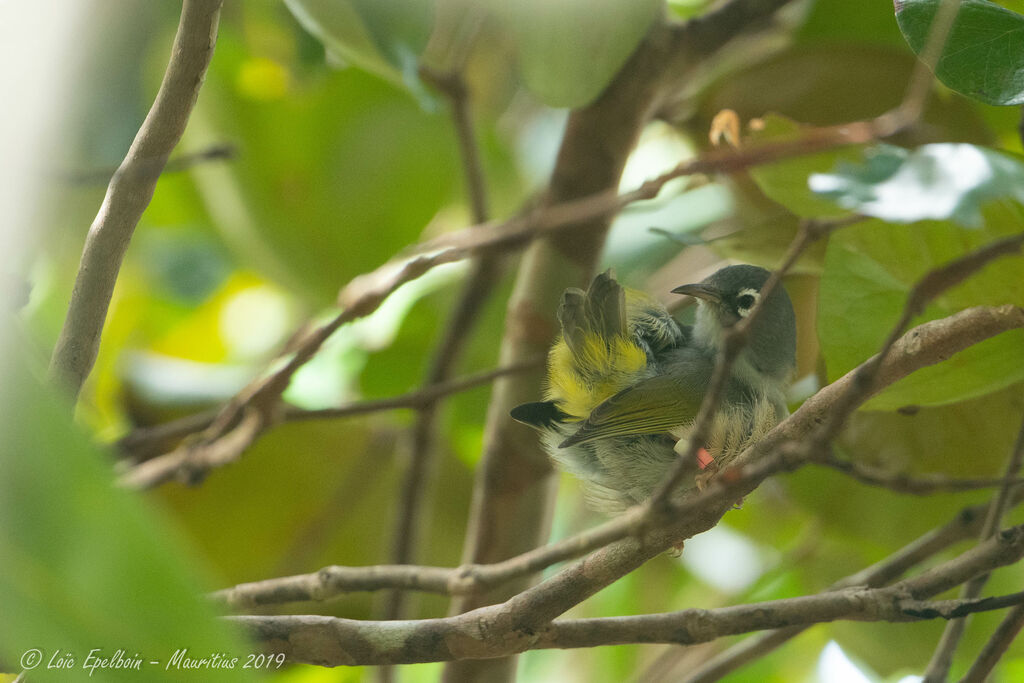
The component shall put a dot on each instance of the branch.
(468, 579)
(921, 485)
(183, 162)
(130, 191)
(140, 442)
(496, 631)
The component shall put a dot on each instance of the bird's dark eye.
(746, 301)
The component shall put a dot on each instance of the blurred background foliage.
(341, 156)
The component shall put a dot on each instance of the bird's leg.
(709, 468)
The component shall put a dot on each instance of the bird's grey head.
(726, 297)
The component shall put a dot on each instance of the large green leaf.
(85, 565)
(940, 181)
(869, 270)
(571, 49)
(984, 53)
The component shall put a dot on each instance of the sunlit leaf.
(984, 53)
(939, 181)
(869, 270)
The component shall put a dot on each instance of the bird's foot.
(704, 478)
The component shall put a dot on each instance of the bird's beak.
(700, 291)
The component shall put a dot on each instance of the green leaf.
(570, 50)
(869, 270)
(85, 565)
(984, 54)
(940, 181)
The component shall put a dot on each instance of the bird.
(625, 381)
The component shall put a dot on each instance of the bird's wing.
(658, 404)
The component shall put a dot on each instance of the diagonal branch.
(130, 191)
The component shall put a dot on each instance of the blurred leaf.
(833, 83)
(85, 564)
(284, 494)
(570, 50)
(842, 21)
(384, 37)
(982, 56)
(938, 181)
(332, 180)
(870, 268)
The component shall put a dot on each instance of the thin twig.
(942, 658)
(130, 191)
(332, 581)
(145, 474)
(484, 275)
(183, 162)
(140, 443)
(920, 485)
(418, 398)
(922, 79)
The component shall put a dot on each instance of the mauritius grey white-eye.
(625, 382)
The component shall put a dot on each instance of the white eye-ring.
(746, 300)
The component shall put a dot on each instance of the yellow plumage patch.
(579, 383)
